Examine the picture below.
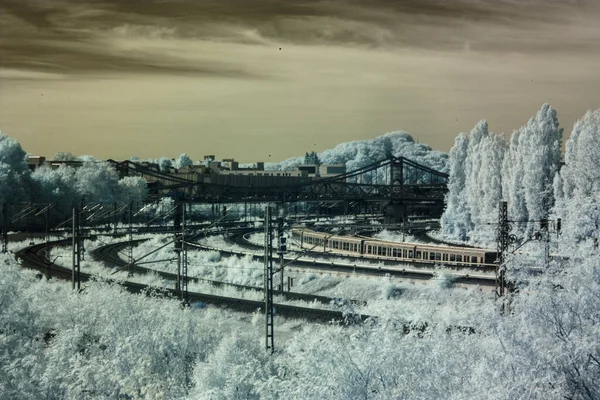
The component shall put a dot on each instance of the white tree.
(165, 163)
(475, 184)
(456, 219)
(97, 182)
(473, 164)
(398, 144)
(183, 161)
(578, 185)
(513, 191)
(133, 189)
(56, 186)
(542, 140)
(489, 182)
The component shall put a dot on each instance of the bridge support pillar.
(395, 213)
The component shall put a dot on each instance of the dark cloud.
(69, 35)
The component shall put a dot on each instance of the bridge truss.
(394, 178)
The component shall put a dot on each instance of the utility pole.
(502, 240)
(545, 228)
(75, 278)
(4, 227)
(184, 261)
(130, 248)
(177, 249)
(81, 233)
(281, 248)
(268, 285)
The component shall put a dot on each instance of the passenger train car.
(382, 250)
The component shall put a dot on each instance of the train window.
(368, 249)
(418, 255)
(432, 256)
(394, 253)
(474, 259)
(459, 258)
(444, 257)
(404, 253)
(335, 244)
(452, 257)
(380, 250)
(410, 254)
(346, 246)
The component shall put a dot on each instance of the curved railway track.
(390, 268)
(109, 254)
(35, 257)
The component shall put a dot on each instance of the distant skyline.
(267, 80)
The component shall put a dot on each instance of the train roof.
(421, 246)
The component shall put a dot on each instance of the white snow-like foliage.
(357, 154)
(473, 169)
(489, 184)
(541, 156)
(64, 186)
(183, 161)
(132, 189)
(97, 182)
(164, 163)
(522, 174)
(513, 191)
(577, 187)
(475, 184)
(456, 220)
(56, 186)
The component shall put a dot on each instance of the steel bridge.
(395, 183)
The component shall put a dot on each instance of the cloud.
(88, 36)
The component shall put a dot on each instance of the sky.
(271, 79)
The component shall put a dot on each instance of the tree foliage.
(165, 163)
(14, 174)
(358, 154)
(183, 161)
(311, 158)
(521, 174)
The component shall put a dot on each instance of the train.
(393, 251)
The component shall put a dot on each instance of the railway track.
(354, 266)
(35, 257)
(110, 255)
